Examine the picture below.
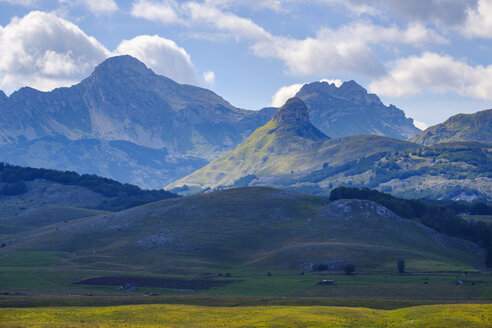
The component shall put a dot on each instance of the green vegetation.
(461, 127)
(121, 196)
(289, 154)
(462, 315)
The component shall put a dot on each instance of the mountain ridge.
(350, 110)
(461, 127)
(290, 160)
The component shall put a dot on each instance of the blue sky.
(431, 58)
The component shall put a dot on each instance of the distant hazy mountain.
(349, 110)
(289, 152)
(461, 127)
(123, 122)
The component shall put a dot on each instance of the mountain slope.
(294, 160)
(144, 126)
(349, 110)
(284, 150)
(282, 230)
(461, 127)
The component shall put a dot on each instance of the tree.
(488, 257)
(349, 269)
(401, 266)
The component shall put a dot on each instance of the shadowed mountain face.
(349, 110)
(123, 122)
(461, 127)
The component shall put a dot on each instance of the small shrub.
(401, 266)
(349, 269)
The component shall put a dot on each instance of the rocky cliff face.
(349, 110)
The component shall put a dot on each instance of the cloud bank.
(44, 51)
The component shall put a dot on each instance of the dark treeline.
(477, 207)
(439, 218)
(123, 195)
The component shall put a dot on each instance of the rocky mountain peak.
(122, 64)
(294, 111)
(3, 96)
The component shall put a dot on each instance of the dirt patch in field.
(172, 283)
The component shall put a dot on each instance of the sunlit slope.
(461, 127)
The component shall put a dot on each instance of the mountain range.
(127, 123)
(289, 152)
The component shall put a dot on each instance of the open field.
(456, 315)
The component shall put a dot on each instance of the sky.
(431, 58)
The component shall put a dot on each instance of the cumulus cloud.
(289, 91)
(331, 51)
(449, 12)
(285, 93)
(44, 51)
(164, 11)
(164, 56)
(209, 77)
(96, 6)
(344, 50)
(420, 125)
(435, 73)
(479, 21)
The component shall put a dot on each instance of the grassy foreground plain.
(457, 315)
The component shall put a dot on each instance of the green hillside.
(461, 127)
(289, 157)
(248, 229)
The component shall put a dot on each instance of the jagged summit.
(351, 110)
(294, 111)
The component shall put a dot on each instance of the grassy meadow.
(456, 315)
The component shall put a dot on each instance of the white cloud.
(209, 77)
(448, 12)
(44, 51)
(421, 125)
(164, 11)
(479, 21)
(96, 6)
(432, 72)
(164, 56)
(238, 27)
(336, 82)
(344, 50)
(287, 92)
(21, 2)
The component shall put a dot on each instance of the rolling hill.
(283, 153)
(461, 127)
(32, 198)
(255, 228)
